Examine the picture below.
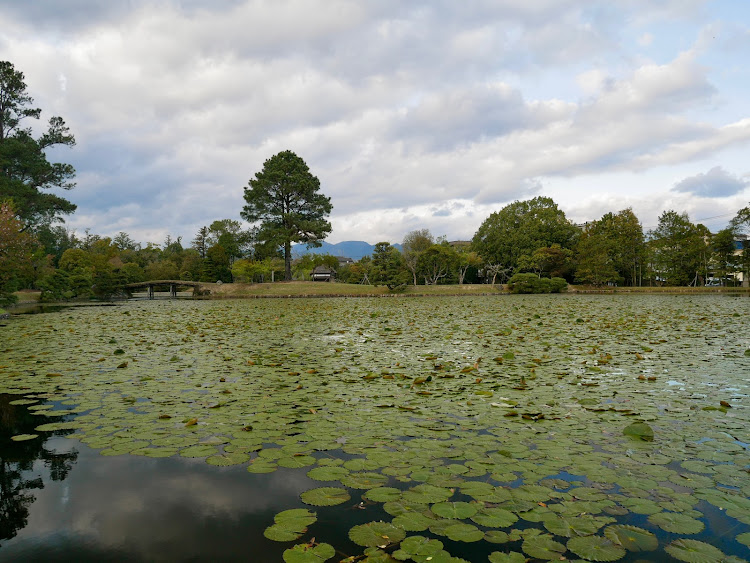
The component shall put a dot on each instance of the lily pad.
(305, 553)
(511, 557)
(455, 510)
(23, 437)
(327, 473)
(495, 518)
(290, 524)
(383, 494)
(413, 521)
(677, 523)
(364, 480)
(325, 496)
(694, 551)
(543, 546)
(631, 538)
(596, 548)
(640, 430)
(376, 534)
(418, 548)
(464, 532)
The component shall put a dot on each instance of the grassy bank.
(320, 289)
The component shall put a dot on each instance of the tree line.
(530, 238)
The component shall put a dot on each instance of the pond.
(502, 428)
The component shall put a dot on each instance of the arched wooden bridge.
(173, 285)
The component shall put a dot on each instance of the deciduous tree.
(413, 245)
(677, 244)
(16, 247)
(283, 198)
(520, 228)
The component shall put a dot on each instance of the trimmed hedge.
(531, 283)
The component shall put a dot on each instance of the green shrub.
(531, 283)
(558, 285)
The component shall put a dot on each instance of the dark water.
(62, 501)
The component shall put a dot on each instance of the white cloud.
(175, 105)
(717, 182)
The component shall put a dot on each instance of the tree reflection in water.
(17, 475)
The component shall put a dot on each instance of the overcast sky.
(413, 114)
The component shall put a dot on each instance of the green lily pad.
(744, 538)
(418, 548)
(376, 534)
(496, 536)
(640, 430)
(413, 521)
(325, 496)
(511, 557)
(596, 548)
(631, 538)
(290, 524)
(427, 494)
(543, 546)
(569, 526)
(225, 459)
(198, 451)
(259, 465)
(383, 494)
(464, 532)
(364, 480)
(304, 553)
(495, 518)
(677, 523)
(327, 473)
(23, 437)
(455, 510)
(694, 551)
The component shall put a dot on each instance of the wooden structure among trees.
(173, 284)
(323, 273)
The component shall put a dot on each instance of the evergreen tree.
(284, 199)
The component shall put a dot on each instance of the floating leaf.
(328, 473)
(413, 521)
(596, 548)
(383, 494)
(325, 496)
(694, 551)
(640, 430)
(305, 553)
(495, 518)
(418, 548)
(226, 458)
(364, 480)
(568, 526)
(427, 494)
(259, 465)
(198, 451)
(297, 461)
(23, 437)
(456, 510)
(632, 538)
(290, 524)
(676, 523)
(374, 534)
(464, 532)
(543, 547)
(511, 557)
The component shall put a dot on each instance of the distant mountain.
(354, 249)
